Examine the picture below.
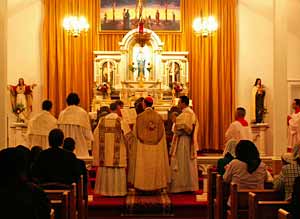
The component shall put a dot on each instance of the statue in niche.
(174, 73)
(141, 62)
(107, 72)
(258, 110)
(21, 99)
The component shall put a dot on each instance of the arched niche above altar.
(141, 55)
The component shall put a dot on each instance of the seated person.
(287, 158)
(55, 164)
(295, 204)
(228, 156)
(289, 172)
(69, 145)
(18, 197)
(35, 152)
(247, 170)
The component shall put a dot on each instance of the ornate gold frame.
(182, 15)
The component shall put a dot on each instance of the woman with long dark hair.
(247, 170)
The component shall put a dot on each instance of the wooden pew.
(211, 191)
(68, 206)
(265, 206)
(52, 214)
(81, 200)
(283, 214)
(239, 200)
(221, 197)
(59, 200)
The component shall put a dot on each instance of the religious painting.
(124, 15)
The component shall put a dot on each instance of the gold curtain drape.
(68, 61)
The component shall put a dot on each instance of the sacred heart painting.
(124, 15)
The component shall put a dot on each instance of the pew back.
(264, 209)
(211, 191)
(239, 200)
(283, 214)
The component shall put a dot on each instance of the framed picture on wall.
(157, 15)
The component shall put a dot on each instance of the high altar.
(139, 69)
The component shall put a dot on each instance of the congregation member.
(35, 152)
(110, 153)
(285, 180)
(19, 198)
(55, 164)
(74, 121)
(25, 152)
(294, 125)
(40, 125)
(69, 145)
(295, 202)
(184, 172)
(228, 156)
(149, 169)
(239, 129)
(247, 170)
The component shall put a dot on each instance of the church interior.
(220, 69)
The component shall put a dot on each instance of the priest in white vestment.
(40, 125)
(294, 125)
(110, 153)
(239, 129)
(183, 152)
(74, 121)
(150, 171)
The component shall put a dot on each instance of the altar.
(140, 68)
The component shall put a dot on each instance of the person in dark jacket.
(19, 198)
(69, 145)
(55, 164)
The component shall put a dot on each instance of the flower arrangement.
(104, 89)
(177, 88)
(19, 108)
(131, 67)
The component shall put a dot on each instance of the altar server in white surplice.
(40, 125)
(151, 167)
(294, 125)
(75, 123)
(110, 153)
(239, 129)
(184, 173)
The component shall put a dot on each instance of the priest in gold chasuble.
(110, 154)
(151, 170)
(184, 173)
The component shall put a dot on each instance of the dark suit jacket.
(56, 165)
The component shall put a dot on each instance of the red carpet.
(184, 206)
